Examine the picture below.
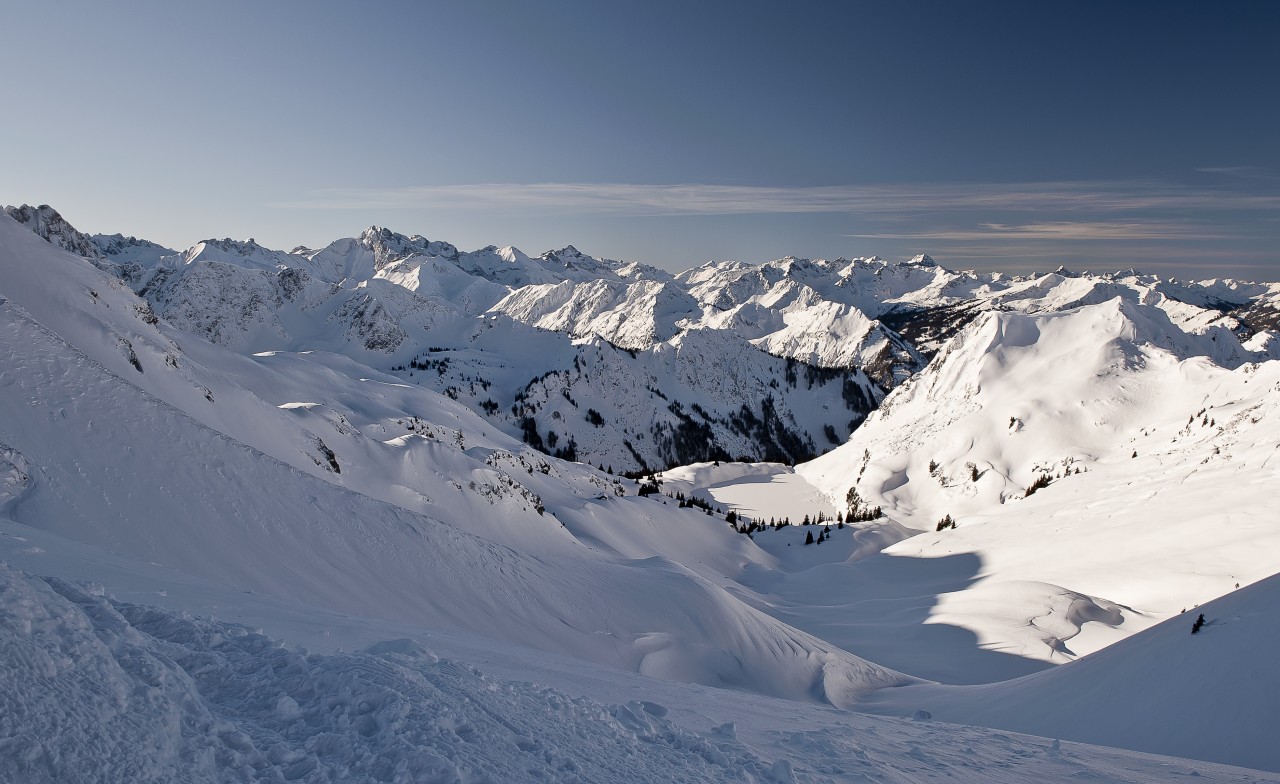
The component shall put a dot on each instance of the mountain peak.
(50, 226)
(564, 255)
(242, 247)
(389, 246)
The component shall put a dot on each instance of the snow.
(1139, 431)
(630, 315)
(430, 515)
(46, 223)
(271, 556)
(108, 690)
(759, 491)
(382, 298)
(1164, 691)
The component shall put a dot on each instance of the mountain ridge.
(385, 298)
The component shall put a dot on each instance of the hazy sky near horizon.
(1018, 136)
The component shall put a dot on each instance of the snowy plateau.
(392, 511)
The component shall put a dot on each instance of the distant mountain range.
(778, 361)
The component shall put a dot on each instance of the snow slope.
(100, 691)
(1207, 696)
(1137, 432)
(104, 690)
(96, 405)
(1158, 446)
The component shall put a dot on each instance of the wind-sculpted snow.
(95, 691)
(309, 541)
(98, 690)
(14, 477)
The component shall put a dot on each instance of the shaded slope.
(1209, 696)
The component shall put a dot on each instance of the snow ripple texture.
(95, 691)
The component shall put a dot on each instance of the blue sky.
(1014, 136)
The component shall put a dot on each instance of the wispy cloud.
(1111, 256)
(703, 199)
(1058, 231)
(1245, 172)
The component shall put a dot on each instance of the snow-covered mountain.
(1061, 445)
(629, 315)
(388, 300)
(49, 225)
(386, 500)
(390, 438)
(407, 304)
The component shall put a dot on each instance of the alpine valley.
(388, 510)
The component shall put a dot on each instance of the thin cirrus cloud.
(703, 199)
(1083, 231)
(1247, 172)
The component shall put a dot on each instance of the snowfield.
(98, 690)
(263, 514)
